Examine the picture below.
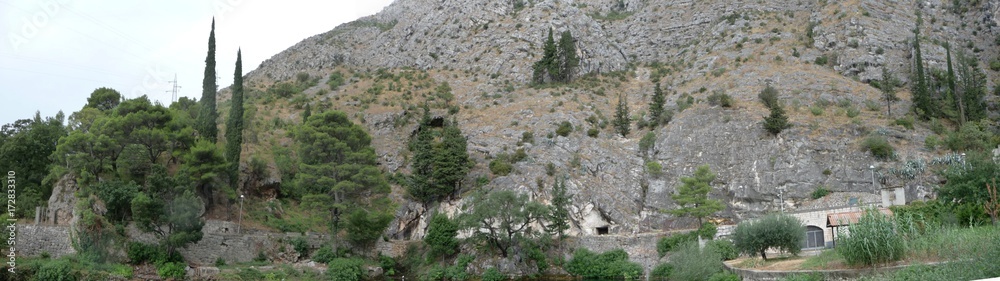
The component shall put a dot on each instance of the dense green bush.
(725, 248)
(669, 243)
(820, 192)
(441, 232)
(250, 274)
(342, 269)
(720, 98)
(564, 128)
(300, 245)
(324, 255)
(779, 231)
(662, 270)
(610, 264)
(501, 167)
(492, 274)
(593, 132)
(969, 137)
(56, 270)
(872, 240)
(879, 147)
(654, 168)
(174, 270)
(691, 263)
(906, 122)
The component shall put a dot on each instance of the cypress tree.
(568, 61)
(656, 106)
(888, 87)
(956, 97)
(306, 113)
(206, 118)
(234, 125)
(921, 96)
(622, 122)
(777, 121)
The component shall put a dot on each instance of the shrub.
(820, 192)
(528, 137)
(721, 99)
(57, 270)
(692, 263)
(725, 248)
(969, 137)
(342, 269)
(662, 270)
(654, 168)
(550, 169)
(174, 270)
(769, 97)
(250, 274)
(300, 245)
(501, 167)
(669, 243)
(647, 142)
(779, 231)
(906, 122)
(324, 255)
(931, 142)
(492, 274)
(853, 112)
(593, 132)
(564, 128)
(610, 264)
(139, 253)
(220, 262)
(870, 241)
(816, 110)
(821, 60)
(879, 147)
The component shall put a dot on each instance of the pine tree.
(692, 195)
(888, 87)
(656, 106)
(234, 125)
(559, 217)
(777, 121)
(568, 61)
(206, 118)
(622, 123)
(547, 67)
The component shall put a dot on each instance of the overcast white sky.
(56, 52)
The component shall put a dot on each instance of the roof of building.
(849, 218)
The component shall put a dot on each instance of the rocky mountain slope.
(484, 50)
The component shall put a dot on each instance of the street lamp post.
(872, 168)
(240, 223)
(963, 160)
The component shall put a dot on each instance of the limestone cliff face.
(485, 49)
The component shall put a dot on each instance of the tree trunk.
(763, 254)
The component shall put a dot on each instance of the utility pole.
(173, 91)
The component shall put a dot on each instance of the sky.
(54, 53)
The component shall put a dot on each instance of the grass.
(826, 260)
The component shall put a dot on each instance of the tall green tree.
(692, 196)
(440, 162)
(441, 233)
(568, 60)
(923, 105)
(104, 99)
(234, 125)
(501, 218)
(559, 216)
(547, 67)
(622, 121)
(176, 223)
(777, 121)
(337, 160)
(208, 115)
(656, 106)
(972, 89)
(25, 146)
(888, 88)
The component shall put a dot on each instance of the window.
(602, 230)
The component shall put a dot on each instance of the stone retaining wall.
(641, 248)
(33, 240)
(845, 274)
